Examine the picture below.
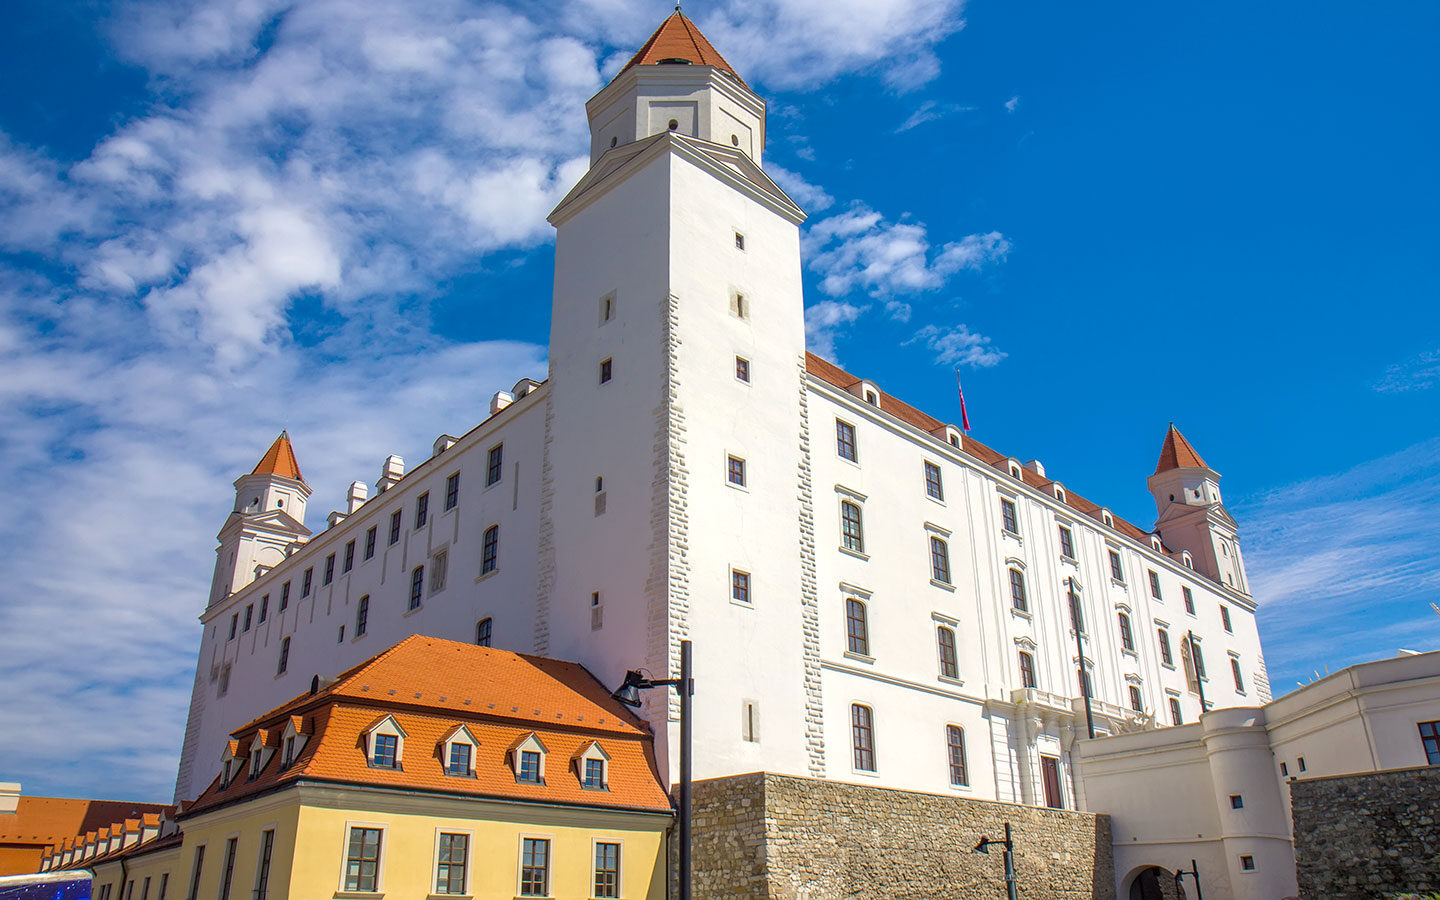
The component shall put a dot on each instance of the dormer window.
(387, 744)
(529, 770)
(458, 752)
(289, 756)
(459, 763)
(255, 759)
(594, 777)
(527, 757)
(225, 773)
(592, 766)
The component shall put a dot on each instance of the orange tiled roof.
(679, 38)
(430, 686)
(1176, 453)
(279, 460)
(49, 820)
(833, 374)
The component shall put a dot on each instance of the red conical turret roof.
(679, 38)
(280, 460)
(1177, 453)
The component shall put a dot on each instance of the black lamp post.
(1194, 873)
(1009, 845)
(1076, 618)
(628, 693)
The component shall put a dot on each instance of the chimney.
(390, 473)
(358, 494)
(442, 443)
(335, 517)
(501, 400)
(1035, 466)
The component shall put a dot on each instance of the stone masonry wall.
(1367, 836)
(774, 837)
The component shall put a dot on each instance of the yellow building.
(436, 768)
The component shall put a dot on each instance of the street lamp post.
(1077, 617)
(629, 694)
(1009, 845)
(1194, 873)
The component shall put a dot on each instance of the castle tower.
(671, 504)
(265, 524)
(1191, 516)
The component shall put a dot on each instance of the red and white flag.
(964, 414)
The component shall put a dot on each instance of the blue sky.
(218, 219)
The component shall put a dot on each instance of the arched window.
(490, 549)
(1127, 639)
(417, 586)
(857, 627)
(862, 733)
(362, 615)
(939, 560)
(1017, 590)
(945, 641)
(955, 750)
(284, 656)
(482, 632)
(852, 531)
(1027, 670)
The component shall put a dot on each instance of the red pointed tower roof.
(280, 460)
(679, 38)
(1177, 453)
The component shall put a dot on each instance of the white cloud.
(929, 111)
(1417, 373)
(812, 198)
(957, 345)
(824, 322)
(1012, 104)
(859, 250)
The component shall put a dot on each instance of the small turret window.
(674, 125)
(614, 141)
(735, 139)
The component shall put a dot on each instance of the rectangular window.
(534, 867)
(1116, 572)
(1027, 670)
(362, 615)
(450, 866)
(145, 889)
(362, 860)
(1175, 717)
(1017, 590)
(1301, 761)
(422, 509)
(1237, 801)
(934, 488)
(452, 491)
(750, 723)
(862, 731)
(370, 534)
(1224, 618)
(227, 876)
(417, 586)
(284, 596)
(857, 629)
(852, 531)
(1127, 639)
(289, 753)
(490, 550)
(742, 369)
(262, 877)
(949, 660)
(735, 470)
(459, 759)
(495, 464)
(329, 570)
(1009, 518)
(195, 872)
(592, 775)
(1077, 616)
(845, 441)
(1166, 657)
(607, 369)
(939, 560)
(249, 614)
(349, 556)
(1137, 702)
(1195, 656)
(1235, 674)
(739, 586)
(1067, 543)
(395, 526)
(607, 870)
(1284, 770)
(607, 308)
(1154, 585)
(164, 884)
(1189, 597)
(955, 750)
(1247, 863)
(284, 656)
(234, 626)
(1430, 742)
(529, 767)
(265, 608)
(739, 241)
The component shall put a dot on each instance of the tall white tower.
(672, 503)
(1191, 515)
(266, 523)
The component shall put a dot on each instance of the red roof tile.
(679, 38)
(48, 820)
(1176, 453)
(279, 460)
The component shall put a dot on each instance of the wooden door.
(1050, 777)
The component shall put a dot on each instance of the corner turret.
(266, 523)
(1190, 514)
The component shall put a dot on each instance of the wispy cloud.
(1012, 104)
(929, 111)
(859, 250)
(957, 345)
(824, 323)
(812, 198)
(1417, 373)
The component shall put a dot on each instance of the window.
(845, 441)
(395, 526)
(289, 756)
(262, 878)
(1067, 543)
(450, 865)
(1127, 639)
(362, 615)
(1077, 616)
(933, 486)
(349, 556)
(862, 735)
(459, 763)
(739, 586)
(265, 607)
(607, 870)
(1017, 590)
(439, 566)
(1237, 801)
(284, 656)
(422, 509)
(145, 890)
(1199, 660)
(370, 542)
(1008, 517)
(1224, 618)
(1116, 572)
(1027, 670)
(534, 867)
(164, 883)
(1189, 598)
(495, 464)
(739, 241)
(1154, 585)
(249, 613)
(607, 303)
(1137, 702)
(742, 369)
(482, 631)
(529, 767)
(750, 724)
(945, 641)
(1430, 742)
(195, 872)
(362, 860)
(1166, 657)
(417, 586)
(737, 305)
(955, 750)
(329, 570)
(452, 492)
(228, 875)
(490, 549)
(1301, 761)
(1284, 770)
(857, 629)
(735, 470)
(382, 755)
(607, 368)
(939, 560)
(284, 596)
(592, 774)
(852, 530)
(1247, 863)
(1175, 717)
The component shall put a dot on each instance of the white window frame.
(379, 861)
(435, 861)
(619, 864)
(549, 862)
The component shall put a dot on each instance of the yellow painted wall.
(146, 865)
(245, 822)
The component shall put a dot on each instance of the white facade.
(621, 531)
(1171, 793)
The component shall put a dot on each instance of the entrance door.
(1146, 885)
(1050, 777)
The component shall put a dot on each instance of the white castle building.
(873, 596)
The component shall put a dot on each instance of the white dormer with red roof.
(1191, 516)
(267, 522)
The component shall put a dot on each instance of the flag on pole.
(964, 414)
